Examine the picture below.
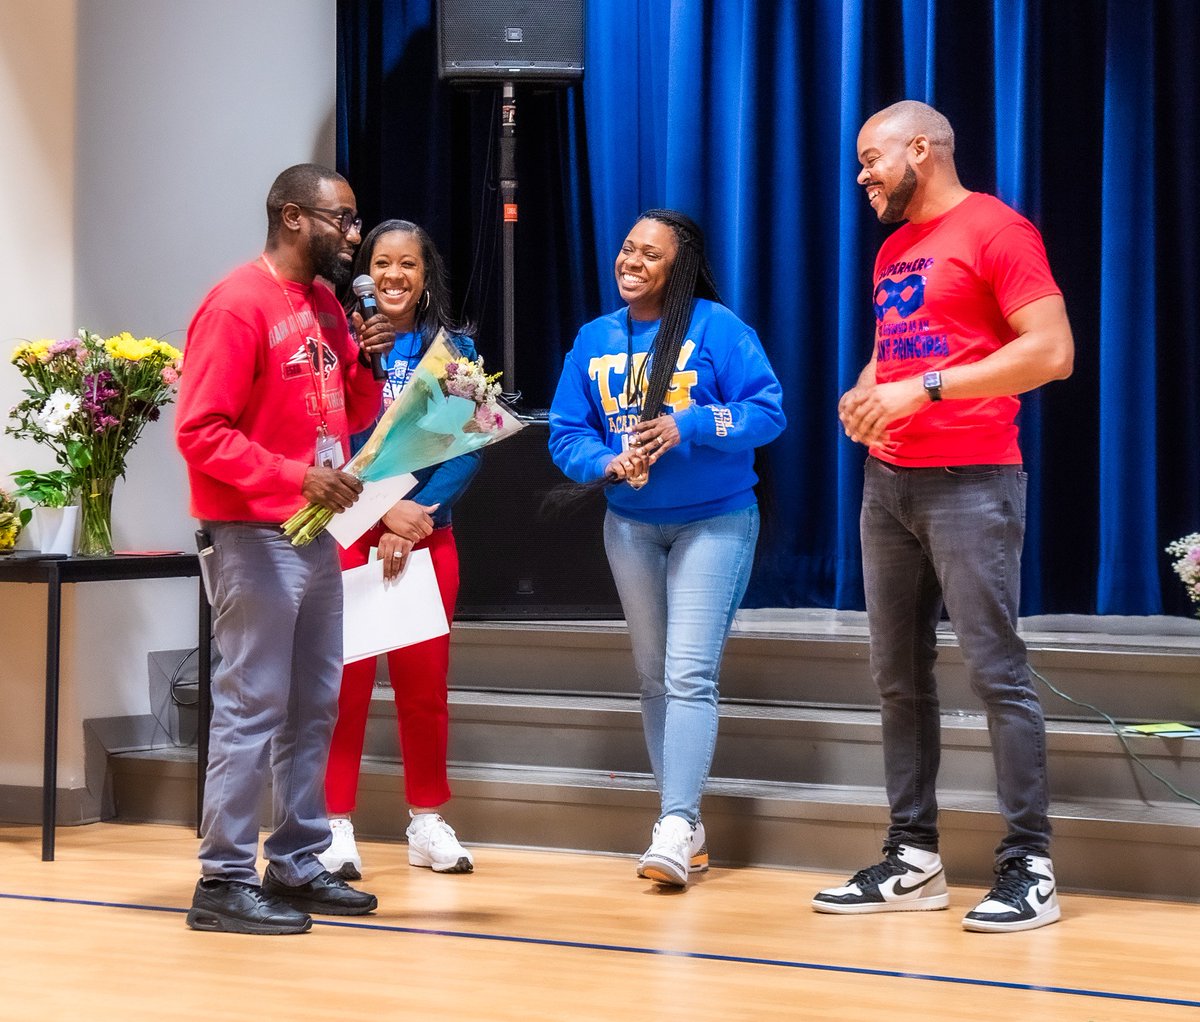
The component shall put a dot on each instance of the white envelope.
(373, 503)
(379, 616)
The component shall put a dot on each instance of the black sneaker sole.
(324, 908)
(206, 920)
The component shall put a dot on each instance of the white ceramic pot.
(51, 530)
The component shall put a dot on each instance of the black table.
(59, 571)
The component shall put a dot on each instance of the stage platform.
(546, 749)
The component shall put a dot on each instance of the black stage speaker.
(516, 563)
(510, 40)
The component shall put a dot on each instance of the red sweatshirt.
(250, 394)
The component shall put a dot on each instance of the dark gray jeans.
(951, 534)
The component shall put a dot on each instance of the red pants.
(418, 677)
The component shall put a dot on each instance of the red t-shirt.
(943, 292)
(250, 396)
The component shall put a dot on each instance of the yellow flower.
(30, 352)
(131, 349)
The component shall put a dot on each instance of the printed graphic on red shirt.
(943, 291)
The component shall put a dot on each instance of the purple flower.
(68, 345)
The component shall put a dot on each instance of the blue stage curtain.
(745, 113)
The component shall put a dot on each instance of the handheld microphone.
(364, 289)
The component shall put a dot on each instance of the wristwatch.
(932, 382)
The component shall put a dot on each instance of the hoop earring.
(423, 301)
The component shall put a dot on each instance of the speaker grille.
(510, 39)
(515, 563)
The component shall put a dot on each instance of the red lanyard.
(318, 388)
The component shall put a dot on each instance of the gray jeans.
(952, 535)
(277, 616)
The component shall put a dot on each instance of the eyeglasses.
(347, 220)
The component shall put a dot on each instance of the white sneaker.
(433, 845)
(676, 849)
(1023, 898)
(341, 857)
(908, 880)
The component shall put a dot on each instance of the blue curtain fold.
(745, 113)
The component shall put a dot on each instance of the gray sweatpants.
(277, 614)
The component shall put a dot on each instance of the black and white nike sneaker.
(908, 880)
(1023, 898)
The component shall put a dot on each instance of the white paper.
(381, 615)
(373, 503)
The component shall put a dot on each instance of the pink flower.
(486, 419)
(170, 375)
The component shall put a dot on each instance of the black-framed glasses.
(347, 220)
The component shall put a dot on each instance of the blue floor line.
(781, 963)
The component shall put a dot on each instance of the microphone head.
(363, 286)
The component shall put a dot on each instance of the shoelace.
(890, 867)
(1013, 884)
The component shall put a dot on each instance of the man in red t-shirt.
(273, 387)
(967, 317)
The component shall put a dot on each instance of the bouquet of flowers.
(12, 520)
(449, 406)
(1186, 552)
(89, 399)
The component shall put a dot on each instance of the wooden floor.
(99, 934)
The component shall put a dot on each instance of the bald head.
(907, 155)
(910, 118)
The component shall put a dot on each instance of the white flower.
(57, 412)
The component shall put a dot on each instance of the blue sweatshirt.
(438, 484)
(724, 395)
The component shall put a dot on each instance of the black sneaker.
(1024, 898)
(326, 894)
(908, 880)
(231, 906)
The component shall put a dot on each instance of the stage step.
(1110, 846)
(547, 751)
(1145, 671)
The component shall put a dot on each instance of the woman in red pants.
(410, 287)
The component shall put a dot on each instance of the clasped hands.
(868, 409)
(405, 525)
(650, 441)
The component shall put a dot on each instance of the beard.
(900, 197)
(328, 262)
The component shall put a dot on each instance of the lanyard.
(638, 381)
(314, 375)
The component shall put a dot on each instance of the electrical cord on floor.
(1117, 731)
(174, 684)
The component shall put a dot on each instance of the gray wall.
(147, 133)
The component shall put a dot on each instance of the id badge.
(329, 451)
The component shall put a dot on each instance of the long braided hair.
(691, 278)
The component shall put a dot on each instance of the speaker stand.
(508, 230)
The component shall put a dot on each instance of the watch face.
(932, 380)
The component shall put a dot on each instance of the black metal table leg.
(50, 745)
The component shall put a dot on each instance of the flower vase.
(95, 517)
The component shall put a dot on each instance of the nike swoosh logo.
(1049, 895)
(900, 889)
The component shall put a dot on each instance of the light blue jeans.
(277, 615)
(680, 586)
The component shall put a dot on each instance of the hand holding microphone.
(372, 335)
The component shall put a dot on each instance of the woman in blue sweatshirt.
(411, 290)
(667, 399)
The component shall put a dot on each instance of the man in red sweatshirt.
(275, 383)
